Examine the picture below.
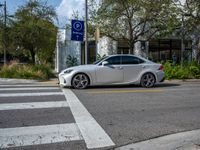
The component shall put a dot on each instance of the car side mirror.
(104, 63)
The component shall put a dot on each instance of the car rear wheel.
(148, 80)
(80, 81)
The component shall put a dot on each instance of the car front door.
(132, 67)
(112, 72)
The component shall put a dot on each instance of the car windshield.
(96, 62)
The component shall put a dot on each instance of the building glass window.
(164, 49)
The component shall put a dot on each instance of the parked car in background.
(113, 70)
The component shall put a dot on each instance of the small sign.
(77, 33)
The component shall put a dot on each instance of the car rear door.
(132, 67)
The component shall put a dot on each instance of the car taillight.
(161, 67)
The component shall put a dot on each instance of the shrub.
(37, 72)
(71, 61)
(188, 71)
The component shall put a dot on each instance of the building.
(155, 49)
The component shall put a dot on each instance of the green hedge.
(21, 71)
(187, 71)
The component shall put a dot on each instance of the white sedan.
(113, 70)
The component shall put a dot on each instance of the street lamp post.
(4, 35)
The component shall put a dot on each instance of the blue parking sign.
(77, 32)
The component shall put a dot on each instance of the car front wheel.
(148, 80)
(80, 81)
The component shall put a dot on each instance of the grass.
(26, 71)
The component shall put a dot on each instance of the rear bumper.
(162, 80)
(160, 76)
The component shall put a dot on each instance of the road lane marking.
(30, 88)
(35, 135)
(92, 132)
(124, 91)
(30, 94)
(33, 105)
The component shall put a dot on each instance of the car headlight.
(68, 71)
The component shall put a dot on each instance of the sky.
(64, 8)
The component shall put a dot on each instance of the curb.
(183, 80)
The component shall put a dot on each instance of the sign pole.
(86, 30)
(4, 34)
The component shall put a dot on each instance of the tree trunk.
(32, 56)
(131, 47)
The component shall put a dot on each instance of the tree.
(1, 35)
(190, 13)
(5, 38)
(34, 30)
(192, 9)
(134, 20)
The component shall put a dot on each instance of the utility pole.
(4, 34)
(86, 32)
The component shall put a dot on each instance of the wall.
(65, 47)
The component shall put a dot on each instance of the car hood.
(79, 68)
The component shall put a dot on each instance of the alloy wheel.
(80, 81)
(148, 80)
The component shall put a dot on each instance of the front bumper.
(65, 79)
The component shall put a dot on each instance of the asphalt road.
(131, 114)
(38, 115)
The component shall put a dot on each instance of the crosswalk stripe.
(93, 134)
(35, 135)
(31, 94)
(33, 105)
(30, 88)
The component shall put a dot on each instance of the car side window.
(115, 60)
(128, 60)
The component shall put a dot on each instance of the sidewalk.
(53, 81)
(189, 140)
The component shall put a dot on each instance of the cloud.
(67, 7)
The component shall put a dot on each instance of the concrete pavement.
(181, 141)
(53, 81)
